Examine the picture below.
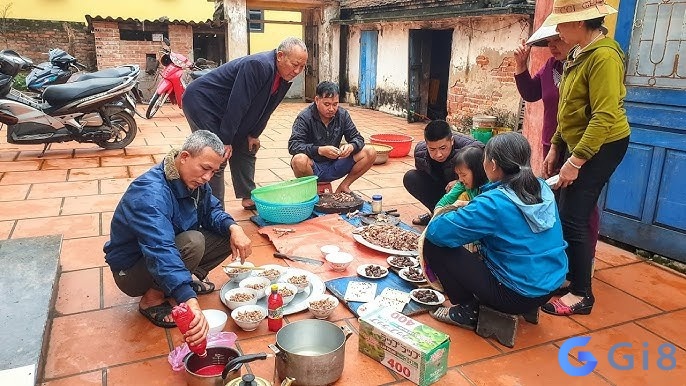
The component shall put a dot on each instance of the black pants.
(425, 188)
(577, 203)
(241, 164)
(465, 277)
(201, 251)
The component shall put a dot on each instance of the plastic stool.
(324, 187)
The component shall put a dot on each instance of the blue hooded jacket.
(522, 244)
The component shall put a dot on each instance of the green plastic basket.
(482, 134)
(285, 213)
(288, 192)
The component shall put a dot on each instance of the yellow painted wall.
(611, 21)
(274, 33)
(76, 10)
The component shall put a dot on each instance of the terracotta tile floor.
(97, 336)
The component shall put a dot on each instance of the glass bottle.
(377, 206)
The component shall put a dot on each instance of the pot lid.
(249, 380)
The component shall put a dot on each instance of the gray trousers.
(201, 251)
(241, 164)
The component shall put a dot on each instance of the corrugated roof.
(207, 23)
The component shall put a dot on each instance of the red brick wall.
(34, 38)
(111, 51)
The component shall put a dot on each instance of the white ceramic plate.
(440, 296)
(361, 271)
(390, 262)
(403, 276)
(301, 300)
(375, 247)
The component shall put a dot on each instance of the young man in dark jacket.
(315, 142)
(168, 232)
(235, 102)
(434, 175)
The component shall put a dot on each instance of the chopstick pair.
(244, 267)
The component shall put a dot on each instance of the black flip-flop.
(156, 315)
(250, 207)
(202, 287)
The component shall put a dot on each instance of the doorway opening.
(210, 46)
(429, 66)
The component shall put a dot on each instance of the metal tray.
(299, 302)
(375, 247)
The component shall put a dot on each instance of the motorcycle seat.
(198, 74)
(117, 72)
(61, 93)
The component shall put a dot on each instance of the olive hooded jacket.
(591, 109)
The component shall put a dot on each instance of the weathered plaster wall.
(482, 65)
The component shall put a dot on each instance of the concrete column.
(236, 28)
(533, 115)
(329, 43)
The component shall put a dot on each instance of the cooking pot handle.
(276, 349)
(347, 332)
(236, 363)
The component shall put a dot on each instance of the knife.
(301, 259)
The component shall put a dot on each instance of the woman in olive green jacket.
(592, 131)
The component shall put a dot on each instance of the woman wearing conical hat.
(592, 133)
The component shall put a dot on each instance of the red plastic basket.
(400, 143)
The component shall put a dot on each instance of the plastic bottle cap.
(275, 287)
(376, 197)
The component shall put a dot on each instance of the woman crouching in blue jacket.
(522, 256)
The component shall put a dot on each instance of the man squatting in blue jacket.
(168, 232)
(235, 101)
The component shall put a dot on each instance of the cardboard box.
(411, 349)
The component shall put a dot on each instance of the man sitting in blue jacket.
(168, 229)
(315, 142)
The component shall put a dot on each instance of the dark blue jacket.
(152, 211)
(234, 100)
(423, 161)
(309, 133)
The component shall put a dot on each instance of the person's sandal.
(156, 315)
(202, 287)
(422, 219)
(557, 307)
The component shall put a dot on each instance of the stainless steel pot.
(311, 351)
(229, 359)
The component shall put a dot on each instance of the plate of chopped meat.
(388, 239)
(372, 271)
(401, 262)
(427, 297)
(413, 275)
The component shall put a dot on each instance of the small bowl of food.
(323, 306)
(287, 291)
(271, 272)
(301, 281)
(256, 283)
(401, 262)
(240, 297)
(248, 318)
(237, 274)
(339, 261)
(216, 320)
(326, 249)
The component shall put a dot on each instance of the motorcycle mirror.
(166, 41)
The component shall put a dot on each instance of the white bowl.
(256, 280)
(240, 274)
(216, 319)
(267, 269)
(326, 249)
(323, 313)
(248, 326)
(339, 261)
(286, 299)
(301, 286)
(232, 304)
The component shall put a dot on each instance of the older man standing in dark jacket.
(434, 175)
(235, 102)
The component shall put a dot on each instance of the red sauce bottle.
(183, 316)
(275, 309)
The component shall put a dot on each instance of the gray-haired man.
(235, 102)
(168, 232)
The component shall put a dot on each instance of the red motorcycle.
(171, 84)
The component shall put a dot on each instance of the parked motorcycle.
(96, 111)
(171, 84)
(57, 70)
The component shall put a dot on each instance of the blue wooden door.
(645, 200)
(368, 52)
